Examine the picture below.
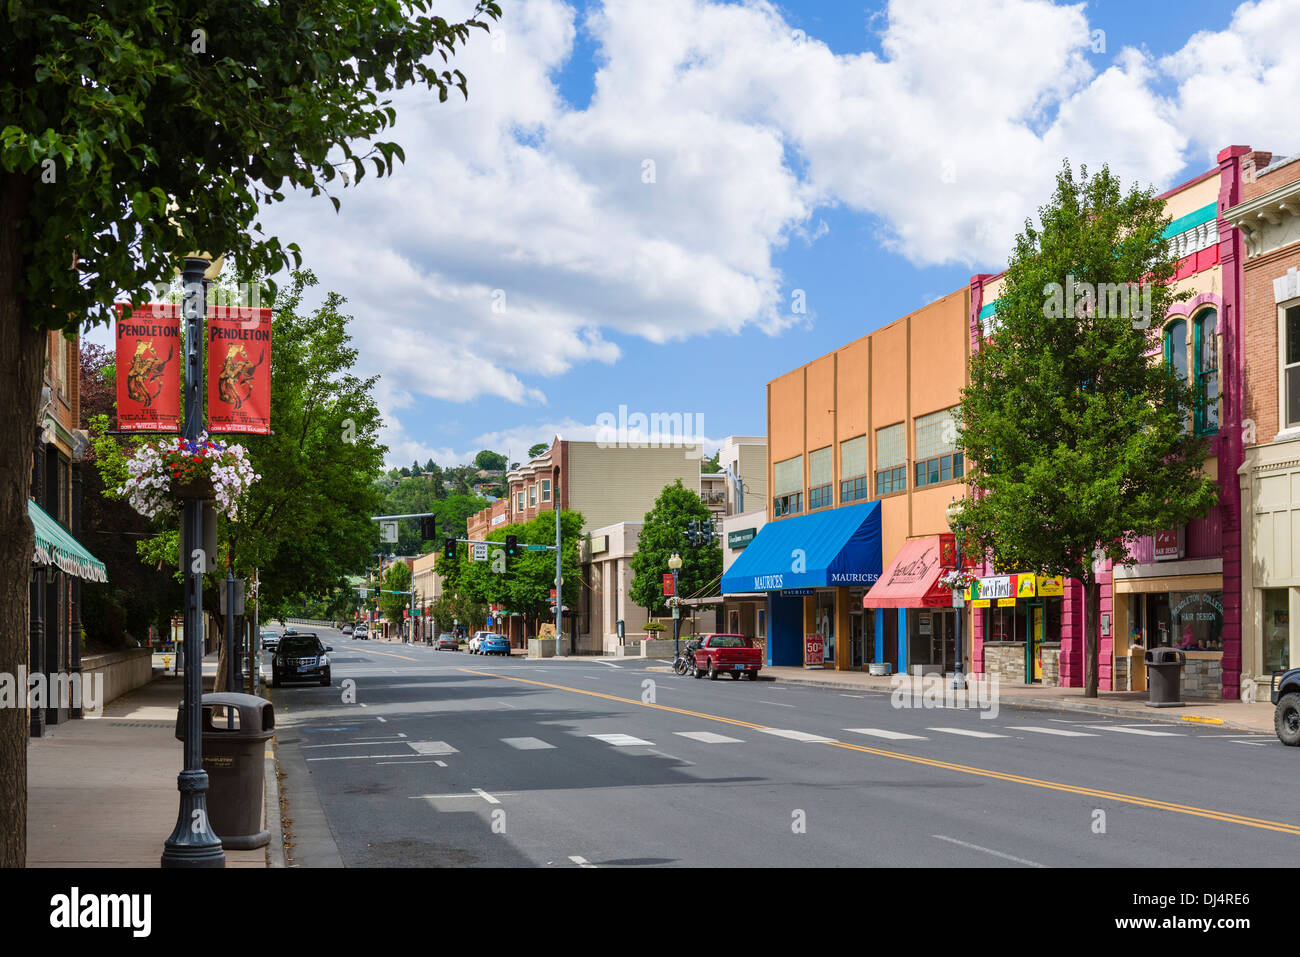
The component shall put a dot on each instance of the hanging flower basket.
(957, 579)
(163, 474)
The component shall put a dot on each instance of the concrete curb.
(275, 849)
(1162, 715)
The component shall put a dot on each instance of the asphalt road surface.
(416, 757)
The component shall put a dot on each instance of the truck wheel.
(1286, 719)
(696, 672)
(713, 672)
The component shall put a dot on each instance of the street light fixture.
(675, 563)
(953, 514)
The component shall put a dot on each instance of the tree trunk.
(1091, 627)
(22, 366)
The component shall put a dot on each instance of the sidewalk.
(101, 792)
(1257, 716)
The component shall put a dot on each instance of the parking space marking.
(622, 740)
(527, 744)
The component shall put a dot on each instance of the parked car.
(448, 642)
(474, 642)
(270, 640)
(1286, 702)
(494, 644)
(361, 631)
(726, 654)
(347, 629)
(301, 657)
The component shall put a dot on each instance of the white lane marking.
(1124, 730)
(708, 737)
(509, 705)
(843, 695)
(441, 764)
(1061, 731)
(354, 744)
(796, 735)
(968, 734)
(1253, 744)
(527, 744)
(364, 705)
(889, 735)
(432, 747)
(477, 793)
(610, 664)
(987, 850)
(381, 718)
(1066, 721)
(362, 757)
(580, 861)
(591, 677)
(779, 704)
(485, 796)
(621, 740)
(409, 762)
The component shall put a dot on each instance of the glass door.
(1034, 646)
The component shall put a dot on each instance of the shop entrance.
(1034, 642)
(934, 644)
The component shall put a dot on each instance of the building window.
(1176, 348)
(787, 486)
(937, 458)
(820, 477)
(1290, 386)
(943, 468)
(891, 459)
(532, 496)
(521, 500)
(787, 504)
(1207, 372)
(546, 490)
(854, 484)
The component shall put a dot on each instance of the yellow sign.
(1024, 586)
(981, 602)
(1050, 586)
(1006, 602)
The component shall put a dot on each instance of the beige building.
(426, 583)
(606, 579)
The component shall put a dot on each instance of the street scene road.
(449, 759)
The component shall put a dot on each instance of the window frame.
(546, 490)
(1199, 413)
(1283, 366)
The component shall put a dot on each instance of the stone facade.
(1005, 661)
(1051, 655)
(1203, 678)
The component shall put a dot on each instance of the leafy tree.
(430, 466)
(709, 466)
(396, 579)
(534, 451)
(489, 461)
(1076, 434)
(664, 532)
(114, 115)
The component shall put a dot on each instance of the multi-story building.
(1268, 219)
(862, 466)
(61, 563)
(426, 583)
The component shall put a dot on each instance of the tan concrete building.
(606, 579)
(426, 583)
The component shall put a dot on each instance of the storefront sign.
(980, 603)
(1050, 586)
(148, 368)
(740, 538)
(797, 592)
(814, 650)
(1169, 545)
(996, 587)
(239, 370)
(1025, 586)
(1006, 603)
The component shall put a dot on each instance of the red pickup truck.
(729, 654)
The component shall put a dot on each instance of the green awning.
(56, 546)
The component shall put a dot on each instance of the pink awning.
(911, 580)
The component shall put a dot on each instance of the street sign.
(537, 548)
(480, 552)
(388, 531)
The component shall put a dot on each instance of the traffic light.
(512, 546)
(449, 548)
(693, 532)
(706, 528)
(428, 528)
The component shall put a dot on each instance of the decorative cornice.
(1254, 217)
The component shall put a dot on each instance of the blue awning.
(840, 546)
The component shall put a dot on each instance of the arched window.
(1176, 347)
(1207, 371)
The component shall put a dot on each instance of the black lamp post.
(675, 563)
(954, 522)
(192, 843)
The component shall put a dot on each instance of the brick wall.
(1260, 346)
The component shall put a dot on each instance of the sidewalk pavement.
(1256, 716)
(101, 792)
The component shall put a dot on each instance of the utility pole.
(559, 593)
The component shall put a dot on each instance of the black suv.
(1286, 697)
(300, 657)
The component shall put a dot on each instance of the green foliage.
(709, 466)
(536, 450)
(1075, 433)
(397, 578)
(490, 461)
(112, 114)
(664, 532)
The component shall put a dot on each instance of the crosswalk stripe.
(797, 735)
(621, 740)
(1059, 731)
(432, 747)
(1123, 730)
(708, 737)
(889, 735)
(968, 733)
(527, 744)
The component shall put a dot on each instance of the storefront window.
(826, 622)
(1197, 618)
(1277, 630)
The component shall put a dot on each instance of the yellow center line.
(1224, 816)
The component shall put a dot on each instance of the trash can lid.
(254, 713)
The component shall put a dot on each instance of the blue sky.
(519, 276)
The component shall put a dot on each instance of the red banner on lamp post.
(239, 370)
(668, 585)
(148, 368)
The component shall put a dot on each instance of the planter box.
(879, 668)
(541, 647)
(631, 649)
(660, 649)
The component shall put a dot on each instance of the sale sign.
(814, 650)
(148, 368)
(239, 370)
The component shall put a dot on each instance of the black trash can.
(1164, 677)
(234, 758)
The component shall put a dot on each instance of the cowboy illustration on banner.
(144, 378)
(148, 368)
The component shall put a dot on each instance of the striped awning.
(56, 546)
